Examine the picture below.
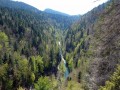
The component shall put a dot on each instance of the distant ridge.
(55, 12)
(17, 5)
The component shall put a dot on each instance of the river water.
(66, 73)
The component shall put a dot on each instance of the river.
(66, 73)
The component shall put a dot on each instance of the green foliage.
(32, 78)
(3, 37)
(36, 64)
(23, 68)
(20, 88)
(70, 64)
(114, 82)
(43, 83)
(72, 85)
(62, 67)
(3, 40)
(9, 84)
(3, 71)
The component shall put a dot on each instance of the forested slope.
(28, 44)
(27, 41)
(107, 47)
(93, 50)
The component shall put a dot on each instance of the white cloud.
(71, 7)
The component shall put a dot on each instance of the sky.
(71, 7)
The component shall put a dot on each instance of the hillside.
(17, 5)
(55, 12)
(53, 51)
(92, 48)
(28, 43)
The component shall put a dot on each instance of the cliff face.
(106, 45)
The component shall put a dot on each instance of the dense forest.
(49, 50)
